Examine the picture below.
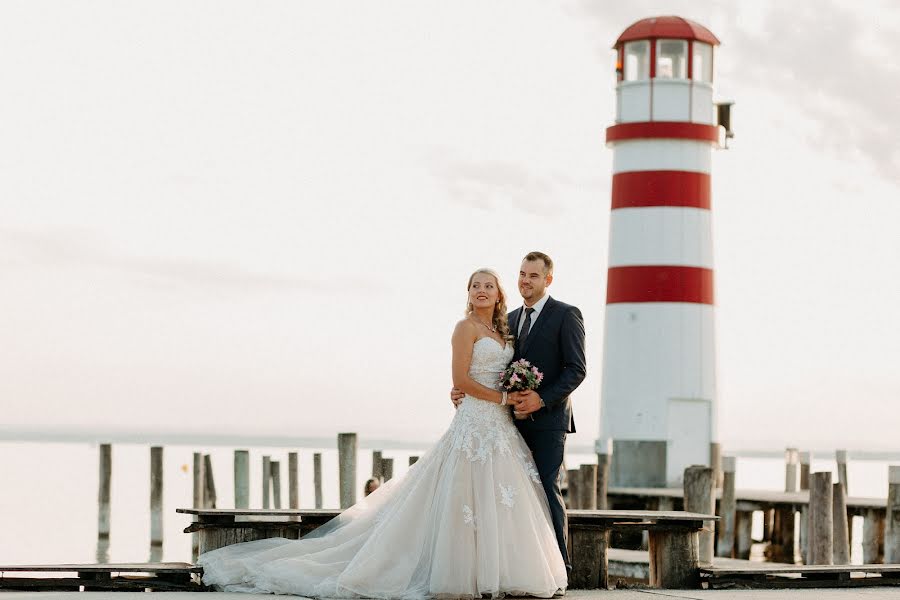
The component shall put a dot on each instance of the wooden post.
(744, 526)
(413, 460)
(840, 536)
(841, 460)
(573, 496)
(377, 468)
(317, 478)
(805, 459)
(276, 483)
(674, 562)
(241, 479)
(604, 460)
(715, 461)
(209, 484)
(727, 506)
(266, 481)
(791, 470)
(821, 528)
(347, 449)
(199, 489)
(892, 518)
(590, 565)
(156, 496)
(699, 496)
(103, 492)
(387, 468)
(588, 486)
(293, 481)
(873, 537)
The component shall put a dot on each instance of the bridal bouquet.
(520, 376)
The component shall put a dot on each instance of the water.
(48, 507)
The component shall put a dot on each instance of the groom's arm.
(574, 365)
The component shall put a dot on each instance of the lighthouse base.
(638, 463)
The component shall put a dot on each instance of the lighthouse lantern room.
(658, 399)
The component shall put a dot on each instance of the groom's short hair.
(548, 262)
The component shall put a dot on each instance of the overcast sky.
(260, 217)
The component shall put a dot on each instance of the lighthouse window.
(671, 59)
(637, 60)
(702, 62)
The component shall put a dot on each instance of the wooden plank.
(639, 515)
(760, 567)
(258, 512)
(764, 497)
(175, 567)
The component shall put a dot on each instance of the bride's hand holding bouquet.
(521, 376)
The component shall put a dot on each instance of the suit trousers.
(548, 449)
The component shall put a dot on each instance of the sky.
(260, 217)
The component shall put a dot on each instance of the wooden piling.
(744, 527)
(413, 460)
(715, 461)
(266, 481)
(275, 467)
(805, 459)
(377, 468)
(892, 517)
(293, 481)
(791, 469)
(573, 496)
(873, 537)
(840, 535)
(588, 486)
(156, 496)
(241, 479)
(699, 497)
(821, 529)
(199, 489)
(347, 450)
(103, 492)
(317, 478)
(387, 468)
(728, 504)
(604, 460)
(840, 457)
(209, 483)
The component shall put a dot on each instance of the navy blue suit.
(555, 345)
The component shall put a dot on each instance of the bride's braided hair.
(498, 320)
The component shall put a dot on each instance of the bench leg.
(590, 565)
(674, 559)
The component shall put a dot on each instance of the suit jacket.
(555, 345)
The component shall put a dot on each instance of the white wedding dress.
(468, 520)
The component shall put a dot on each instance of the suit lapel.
(536, 326)
(514, 323)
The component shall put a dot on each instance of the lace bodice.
(489, 360)
(481, 428)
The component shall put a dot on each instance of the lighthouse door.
(689, 436)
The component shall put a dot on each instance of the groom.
(550, 335)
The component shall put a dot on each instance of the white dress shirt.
(538, 306)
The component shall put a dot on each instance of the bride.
(468, 520)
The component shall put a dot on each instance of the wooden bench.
(673, 537)
(217, 527)
(672, 543)
(89, 577)
(761, 575)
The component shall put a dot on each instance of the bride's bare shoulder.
(465, 328)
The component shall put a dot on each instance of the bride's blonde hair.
(498, 320)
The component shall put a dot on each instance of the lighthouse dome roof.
(667, 27)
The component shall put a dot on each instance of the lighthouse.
(658, 398)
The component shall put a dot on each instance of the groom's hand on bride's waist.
(456, 397)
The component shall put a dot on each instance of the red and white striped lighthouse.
(659, 381)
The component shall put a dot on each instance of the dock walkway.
(634, 594)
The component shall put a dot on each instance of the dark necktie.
(526, 327)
